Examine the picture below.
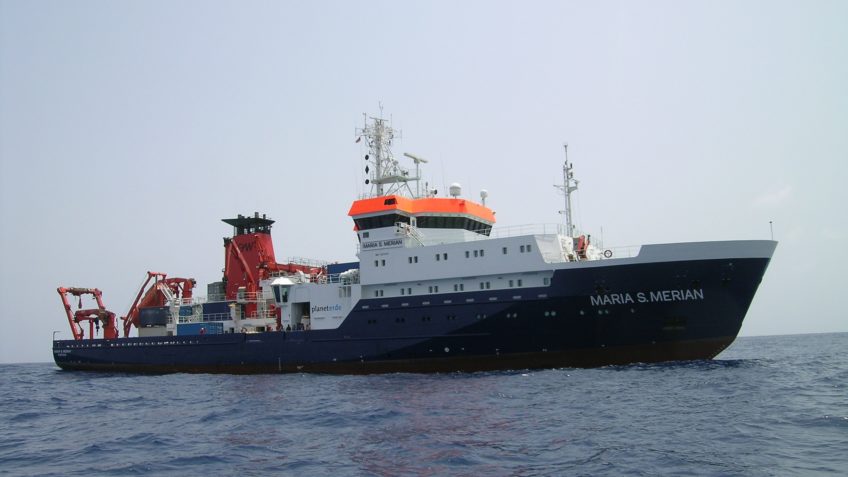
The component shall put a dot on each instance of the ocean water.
(766, 406)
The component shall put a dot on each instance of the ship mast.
(387, 176)
(569, 185)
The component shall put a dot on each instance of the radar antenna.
(417, 160)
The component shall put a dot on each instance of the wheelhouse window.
(386, 220)
(441, 222)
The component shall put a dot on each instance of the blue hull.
(594, 316)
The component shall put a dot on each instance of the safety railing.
(205, 317)
(309, 262)
(526, 229)
(260, 314)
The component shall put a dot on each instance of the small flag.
(358, 139)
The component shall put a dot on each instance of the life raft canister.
(581, 243)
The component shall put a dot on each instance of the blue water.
(767, 406)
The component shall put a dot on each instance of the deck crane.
(160, 293)
(96, 317)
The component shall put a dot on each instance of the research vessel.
(436, 287)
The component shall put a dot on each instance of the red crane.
(160, 293)
(96, 317)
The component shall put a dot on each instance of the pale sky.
(129, 129)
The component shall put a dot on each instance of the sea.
(767, 406)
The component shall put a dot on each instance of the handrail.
(525, 229)
(309, 262)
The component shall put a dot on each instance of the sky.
(129, 129)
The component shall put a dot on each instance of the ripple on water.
(768, 406)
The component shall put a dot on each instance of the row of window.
(457, 287)
(132, 343)
(380, 221)
(427, 319)
(468, 254)
(427, 222)
(424, 319)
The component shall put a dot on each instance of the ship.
(437, 287)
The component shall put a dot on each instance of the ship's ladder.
(166, 291)
(410, 231)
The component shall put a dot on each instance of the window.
(410, 259)
(482, 286)
(376, 263)
(403, 291)
(528, 248)
(444, 256)
(467, 254)
(488, 285)
(504, 250)
(546, 281)
(438, 257)
(388, 220)
(461, 287)
(482, 252)
(415, 259)
(521, 249)
(467, 223)
(436, 288)
(383, 262)
(510, 283)
(519, 282)
(476, 253)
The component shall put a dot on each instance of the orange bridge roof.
(430, 205)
